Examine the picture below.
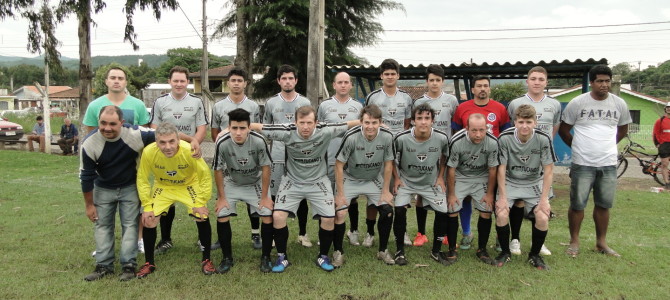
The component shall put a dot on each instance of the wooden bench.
(22, 144)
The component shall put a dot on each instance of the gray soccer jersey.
(444, 106)
(306, 158)
(280, 111)
(187, 114)
(548, 112)
(472, 161)
(243, 162)
(332, 111)
(223, 107)
(395, 108)
(419, 162)
(365, 159)
(524, 161)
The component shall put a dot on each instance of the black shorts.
(664, 150)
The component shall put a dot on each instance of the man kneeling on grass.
(178, 177)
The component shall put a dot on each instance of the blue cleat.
(324, 263)
(281, 265)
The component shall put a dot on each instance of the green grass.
(47, 240)
(28, 121)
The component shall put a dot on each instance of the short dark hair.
(178, 69)
(304, 111)
(113, 110)
(435, 70)
(481, 77)
(286, 69)
(117, 68)
(599, 70)
(423, 108)
(239, 115)
(39, 118)
(371, 110)
(239, 72)
(389, 64)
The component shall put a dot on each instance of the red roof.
(66, 94)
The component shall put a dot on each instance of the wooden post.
(315, 55)
(204, 65)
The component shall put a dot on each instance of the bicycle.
(649, 163)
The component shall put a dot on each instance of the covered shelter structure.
(566, 69)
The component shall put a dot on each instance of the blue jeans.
(106, 202)
(584, 179)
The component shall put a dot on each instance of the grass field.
(47, 241)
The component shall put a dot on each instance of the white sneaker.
(140, 246)
(353, 238)
(386, 257)
(408, 242)
(544, 250)
(304, 240)
(515, 247)
(368, 240)
(93, 253)
(338, 259)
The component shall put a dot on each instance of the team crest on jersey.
(379, 147)
(524, 158)
(177, 115)
(369, 155)
(189, 108)
(289, 116)
(421, 157)
(491, 117)
(171, 173)
(392, 111)
(317, 144)
(243, 161)
(474, 157)
(306, 151)
(445, 105)
(539, 115)
(535, 151)
(332, 110)
(400, 104)
(342, 116)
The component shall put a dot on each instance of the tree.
(277, 32)
(99, 86)
(622, 69)
(507, 91)
(189, 58)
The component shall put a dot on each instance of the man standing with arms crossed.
(396, 107)
(237, 82)
(340, 108)
(281, 109)
(548, 120)
(187, 113)
(600, 120)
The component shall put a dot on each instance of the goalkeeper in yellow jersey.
(177, 177)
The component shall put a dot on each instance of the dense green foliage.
(507, 91)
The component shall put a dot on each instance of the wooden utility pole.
(315, 56)
(204, 65)
(46, 108)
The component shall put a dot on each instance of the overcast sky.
(450, 35)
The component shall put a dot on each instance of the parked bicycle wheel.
(657, 174)
(621, 166)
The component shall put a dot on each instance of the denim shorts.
(584, 179)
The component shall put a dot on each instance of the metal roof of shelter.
(519, 70)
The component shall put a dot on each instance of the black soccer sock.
(254, 220)
(371, 226)
(538, 240)
(339, 237)
(302, 217)
(421, 216)
(515, 221)
(353, 215)
(399, 227)
(166, 224)
(281, 239)
(326, 239)
(266, 238)
(452, 231)
(384, 225)
(225, 235)
(205, 236)
(149, 236)
(439, 229)
(483, 230)
(503, 238)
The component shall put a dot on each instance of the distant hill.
(152, 60)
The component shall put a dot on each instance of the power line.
(524, 29)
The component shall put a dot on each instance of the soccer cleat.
(145, 270)
(440, 257)
(497, 246)
(215, 246)
(502, 258)
(281, 264)
(537, 262)
(368, 240)
(225, 265)
(256, 241)
(128, 273)
(165, 245)
(93, 253)
(466, 242)
(304, 241)
(407, 241)
(400, 258)
(452, 256)
(545, 251)
(420, 239)
(515, 247)
(100, 272)
(338, 259)
(266, 264)
(484, 256)
(386, 257)
(353, 238)
(140, 245)
(208, 267)
(324, 263)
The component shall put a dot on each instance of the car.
(10, 131)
